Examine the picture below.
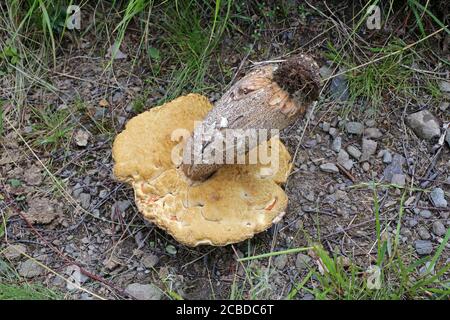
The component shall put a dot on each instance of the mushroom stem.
(270, 97)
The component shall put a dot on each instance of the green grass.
(13, 287)
(52, 128)
(375, 81)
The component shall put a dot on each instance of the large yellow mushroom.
(202, 202)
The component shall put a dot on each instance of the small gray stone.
(447, 137)
(366, 166)
(387, 157)
(13, 251)
(144, 291)
(423, 247)
(395, 167)
(369, 147)
(339, 87)
(443, 106)
(412, 223)
(371, 123)
(424, 124)
(280, 261)
(149, 261)
(444, 86)
(85, 200)
(333, 132)
(302, 262)
(337, 144)
(77, 190)
(30, 268)
(103, 193)
(425, 214)
(354, 152)
(344, 160)
(398, 179)
(326, 126)
(439, 228)
(373, 133)
(438, 198)
(423, 233)
(329, 167)
(354, 127)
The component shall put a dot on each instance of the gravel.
(30, 268)
(354, 152)
(373, 133)
(149, 261)
(354, 128)
(398, 179)
(337, 144)
(439, 228)
(13, 251)
(369, 147)
(424, 124)
(423, 247)
(438, 198)
(425, 214)
(329, 167)
(144, 291)
(423, 233)
(303, 261)
(344, 160)
(280, 261)
(85, 200)
(387, 157)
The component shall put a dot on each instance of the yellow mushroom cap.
(232, 205)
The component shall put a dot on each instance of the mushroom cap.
(235, 203)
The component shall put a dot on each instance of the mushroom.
(207, 203)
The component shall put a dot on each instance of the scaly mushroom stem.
(270, 97)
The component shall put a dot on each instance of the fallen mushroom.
(232, 202)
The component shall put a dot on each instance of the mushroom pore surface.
(232, 205)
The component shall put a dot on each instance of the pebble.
(354, 128)
(438, 198)
(412, 223)
(302, 262)
(280, 261)
(444, 86)
(13, 251)
(371, 123)
(337, 144)
(29, 269)
(77, 190)
(425, 214)
(373, 133)
(387, 157)
(423, 247)
(354, 152)
(329, 167)
(344, 160)
(398, 179)
(423, 233)
(439, 228)
(424, 124)
(326, 126)
(366, 166)
(144, 291)
(333, 132)
(85, 200)
(444, 105)
(339, 88)
(369, 147)
(149, 261)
